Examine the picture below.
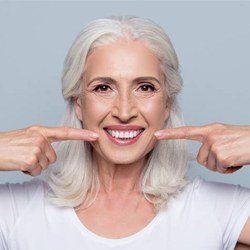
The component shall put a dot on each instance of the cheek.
(93, 111)
(153, 111)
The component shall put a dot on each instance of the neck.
(122, 179)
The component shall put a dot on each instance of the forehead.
(122, 59)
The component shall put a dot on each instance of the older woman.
(126, 188)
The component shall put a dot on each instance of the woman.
(127, 188)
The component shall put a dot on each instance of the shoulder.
(15, 197)
(215, 195)
(199, 184)
(21, 191)
(228, 203)
(225, 192)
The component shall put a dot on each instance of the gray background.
(211, 40)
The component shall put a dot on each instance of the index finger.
(54, 134)
(197, 133)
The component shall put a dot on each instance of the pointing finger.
(67, 133)
(196, 133)
(54, 134)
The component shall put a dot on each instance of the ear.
(78, 107)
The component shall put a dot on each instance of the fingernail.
(94, 135)
(158, 133)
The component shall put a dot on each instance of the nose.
(124, 107)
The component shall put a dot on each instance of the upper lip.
(124, 127)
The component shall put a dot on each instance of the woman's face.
(125, 99)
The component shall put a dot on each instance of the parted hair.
(75, 174)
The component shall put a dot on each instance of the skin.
(122, 103)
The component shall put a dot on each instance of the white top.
(205, 215)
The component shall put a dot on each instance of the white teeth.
(124, 134)
(131, 134)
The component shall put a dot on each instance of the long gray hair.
(75, 174)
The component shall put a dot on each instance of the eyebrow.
(136, 80)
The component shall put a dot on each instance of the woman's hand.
(225, 148)
(30, 150)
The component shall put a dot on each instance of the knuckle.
(211, 139)
(34, 128)
(37, 150)
(214, 148)
(224, 161)
(230, 160)
(31, 161)
(23, 167)
(39, 139)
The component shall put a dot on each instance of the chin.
(120, 154)
(123, 158)
(119, 157)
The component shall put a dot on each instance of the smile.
(124, 138)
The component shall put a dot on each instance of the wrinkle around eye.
(147, 85)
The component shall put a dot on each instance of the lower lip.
(123, 142)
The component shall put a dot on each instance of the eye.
(103, 88)
(146, 86)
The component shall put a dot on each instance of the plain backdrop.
(211, 40)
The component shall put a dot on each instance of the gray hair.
(75, 174)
